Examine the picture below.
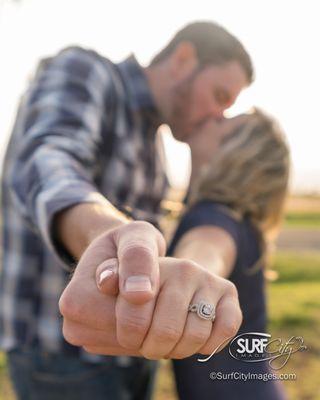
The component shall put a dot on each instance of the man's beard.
(179, 120)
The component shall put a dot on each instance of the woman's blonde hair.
(249, 174)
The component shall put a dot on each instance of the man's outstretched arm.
(77, 226)
(63, 119)
(61, 132)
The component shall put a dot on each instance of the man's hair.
(213, 44)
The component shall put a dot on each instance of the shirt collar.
(140, 96)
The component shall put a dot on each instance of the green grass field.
(302, 220)
(294, 310)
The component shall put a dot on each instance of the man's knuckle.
(136, 324)
(63, 305)
(71, 336)
(232, 289)
(144, 225)
(149, 353)
(140, 226)
(187, 270)
(69, 307)
(177, 355)
(212, 281)
(91, 349)
(198, 336)
(229, 329)
(166, 333)
(137, 250)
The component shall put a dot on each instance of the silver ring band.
(204, 310)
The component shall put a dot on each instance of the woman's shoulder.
(211, 213)
(208, 212)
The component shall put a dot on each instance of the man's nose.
(215, 110)
(217, 113)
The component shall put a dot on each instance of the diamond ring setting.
(204, 310)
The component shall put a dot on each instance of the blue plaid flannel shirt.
(85, 131)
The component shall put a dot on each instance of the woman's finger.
(197, 330)
(171, 309)
(107, 277)
(226, 324)
(167, 323)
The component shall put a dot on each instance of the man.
(83, 180)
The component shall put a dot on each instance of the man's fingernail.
(105, 275)
(138, 283)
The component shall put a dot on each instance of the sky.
(282, 38)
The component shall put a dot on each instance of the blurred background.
(282, 38)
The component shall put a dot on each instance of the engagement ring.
(203, 310)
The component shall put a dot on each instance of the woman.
(234, 207)
(239, 181)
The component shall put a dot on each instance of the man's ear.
(184, 60)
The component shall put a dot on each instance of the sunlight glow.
(281, 37)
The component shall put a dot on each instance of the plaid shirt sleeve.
(63, 117)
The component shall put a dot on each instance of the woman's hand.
(174, 332)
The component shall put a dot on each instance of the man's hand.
(89, 315)
(174, 332)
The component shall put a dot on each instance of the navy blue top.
(250, 285)
(192, 377)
